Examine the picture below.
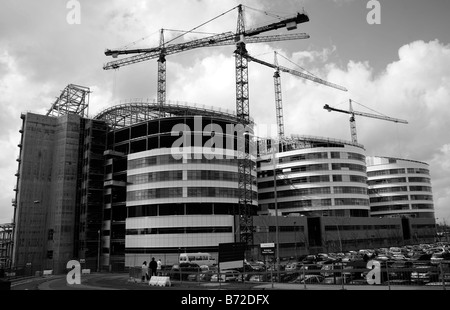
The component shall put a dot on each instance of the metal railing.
(388, 275)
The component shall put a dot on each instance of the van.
(201, 259)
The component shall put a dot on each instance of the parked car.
(437, 257)
(424, 274)
(310, 259)
(335, 280)
(226, 276)
(184, 269)
(308, 279)
(206, 275)
(420, 256)
(258, 278)
(400, 270)
(293, 266)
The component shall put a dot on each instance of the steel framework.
(137, 111)
(74, 99)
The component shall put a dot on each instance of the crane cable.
(297, 65)
(188, 31)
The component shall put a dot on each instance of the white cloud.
(42, 54)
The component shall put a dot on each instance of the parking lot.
(421, 265)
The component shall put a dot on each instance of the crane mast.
(161, 96)
(278, 100)
(352, 124)
(243, 114)
(245, 205)
(352, 118)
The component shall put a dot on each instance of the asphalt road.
(111, 281)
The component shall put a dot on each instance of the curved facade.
(399, 187)
(318, 176)
(173, 186)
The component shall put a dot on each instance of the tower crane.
(352, 118)
(160, 52)
(277, 84)
(239, 39)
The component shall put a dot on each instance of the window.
(50, 234)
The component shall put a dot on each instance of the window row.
(345, 166)
(349, 190)
(375, 191)
(271, 229)
(309, 156)
(177, 192)
(399, 180)
(216, 192)
(296, 192)
(177, 175)
(212, 175)
(348, 155)
(359, 227)
(397, 207)
(302, 203)
(183, 209)
(423, 206)
(159, 176)
(155, 193)
(179, 230)
(173, 159)
(289, 181)
(400, 197)
(323, 155)
(398, 171)
(351, 202)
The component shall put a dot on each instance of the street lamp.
(98, 250)
(436, 228)
(277, 243)
(295, 240)
(277, 240)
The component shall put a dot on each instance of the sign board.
(231, 255)
(267, 248)
(82, 260)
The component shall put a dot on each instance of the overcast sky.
(399, 68)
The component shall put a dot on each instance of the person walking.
(144, 272)
(153, 265)
(159, 268)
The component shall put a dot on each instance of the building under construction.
(140, 180)
(154, 178)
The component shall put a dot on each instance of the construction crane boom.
(216, 40)
(352, 118)
(386, 118)
(297, 73)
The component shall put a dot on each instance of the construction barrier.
(159, 281)
(48, 272)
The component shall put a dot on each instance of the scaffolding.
(6, 242)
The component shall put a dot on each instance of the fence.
(345, 275)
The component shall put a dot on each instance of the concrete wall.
(339, 234)
(34, 187)
(61, 216)
(46, 191)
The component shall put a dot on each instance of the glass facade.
(399, 188)
(324, 179)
